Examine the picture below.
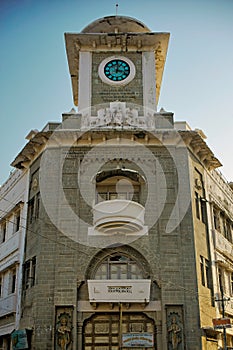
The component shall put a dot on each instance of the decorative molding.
(118, 115)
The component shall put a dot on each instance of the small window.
(205, 272)
(29, 273)
(26, 274)
(34, 208)
(12, 281)
(33, 271)
(221, 280)
(228, 230)
(216, 219)
(31, 207)
(17, 221)
(197, 201)
(203, 211)
(3, 232)
(202, 270)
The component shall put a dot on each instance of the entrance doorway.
(101, 331)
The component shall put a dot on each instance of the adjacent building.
(219, 201)
(13, 212)
(129, 225)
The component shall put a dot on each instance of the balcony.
(10, 245)
(8, 304)
(118, 216)
(127, 291)
(222, 245)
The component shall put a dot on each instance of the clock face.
(116, 70)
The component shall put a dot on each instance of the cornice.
(199, 148)
(69, 138)
(31, 150)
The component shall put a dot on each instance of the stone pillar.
(159, 335)
(79, 335)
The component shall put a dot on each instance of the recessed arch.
(119, 184)
(131, 174)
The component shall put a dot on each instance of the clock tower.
(116, 58)
(119, 233)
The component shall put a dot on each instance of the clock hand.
(117, 67)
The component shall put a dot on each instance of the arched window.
(118, 266)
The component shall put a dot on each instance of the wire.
(160, 280)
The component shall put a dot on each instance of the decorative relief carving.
(159, 57)
(198, 183)
(34, 184)
(175, 328)
(77, 46)
(118, 115)
(63, 336)
(102, 328)
(136, 327)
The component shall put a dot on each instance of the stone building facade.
(119, 249)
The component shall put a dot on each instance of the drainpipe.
(120, 326)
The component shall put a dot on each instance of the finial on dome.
(116, 8)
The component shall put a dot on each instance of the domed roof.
(113, 24)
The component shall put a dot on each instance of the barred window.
(29, 273)
(205, 272)
(34, 208)
(197, 205)
(12, 288)
(17, 221)
(3, 232)
(31, 207)
(118, 267)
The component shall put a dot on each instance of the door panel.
(101, 331)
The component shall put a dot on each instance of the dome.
(113, 24)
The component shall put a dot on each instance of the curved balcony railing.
(118, 216)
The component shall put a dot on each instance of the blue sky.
(198, 79)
